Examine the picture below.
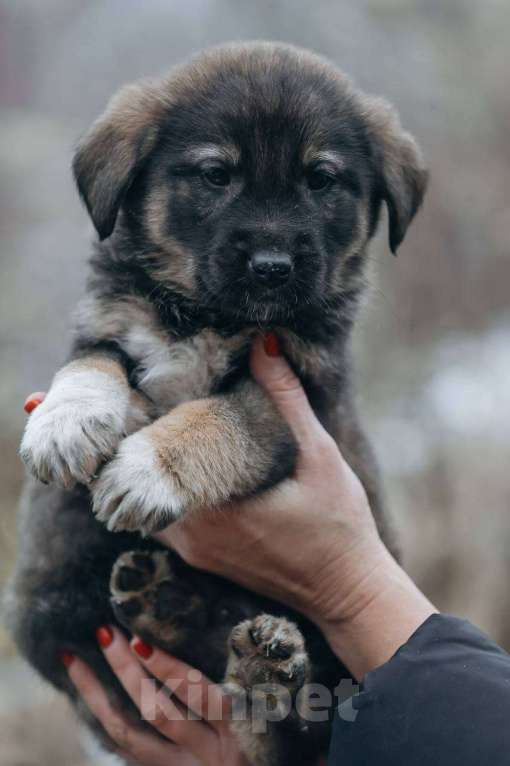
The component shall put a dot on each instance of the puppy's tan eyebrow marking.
(224, 153)
(314, 156)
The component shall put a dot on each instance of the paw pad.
(268, 649)
(147, 597)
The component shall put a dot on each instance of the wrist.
(376, 610)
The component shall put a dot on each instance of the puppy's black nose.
(270, 268)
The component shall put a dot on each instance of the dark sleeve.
(442, 700)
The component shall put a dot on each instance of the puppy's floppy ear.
(400, 171)
(114, 150)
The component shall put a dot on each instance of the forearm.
(383, 609)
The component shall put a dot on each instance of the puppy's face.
(253, 177)
(262, 191)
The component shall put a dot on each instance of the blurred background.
(433, 346)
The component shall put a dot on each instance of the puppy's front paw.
(135, 492)
(76, 428)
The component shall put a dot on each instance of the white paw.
(133, 493)
(77, 427)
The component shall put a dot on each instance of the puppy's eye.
(217, 176)
(318, 180)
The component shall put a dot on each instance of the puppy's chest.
(170, 372)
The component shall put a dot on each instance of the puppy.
(236, 195)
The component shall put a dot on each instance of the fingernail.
(104, 636)
(31, 403)
(67, 659)
(141, 648)
(271, 344)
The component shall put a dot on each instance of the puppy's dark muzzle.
(270, 269)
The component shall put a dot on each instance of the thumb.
(271, 371)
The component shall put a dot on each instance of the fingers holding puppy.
(179, 711)
(132, 742)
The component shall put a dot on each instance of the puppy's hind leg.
(267, 667)
(150, 598)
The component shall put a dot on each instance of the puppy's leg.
(200, 455)
(89, 408)
(267, 666)
(188, 613)
(150, 598)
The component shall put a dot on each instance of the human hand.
(311, 542)
(201, 737)
(292, 542)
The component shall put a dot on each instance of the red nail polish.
(141, 648)
(271, 344)
(31, 403)
(104, 636)
(67, 659)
